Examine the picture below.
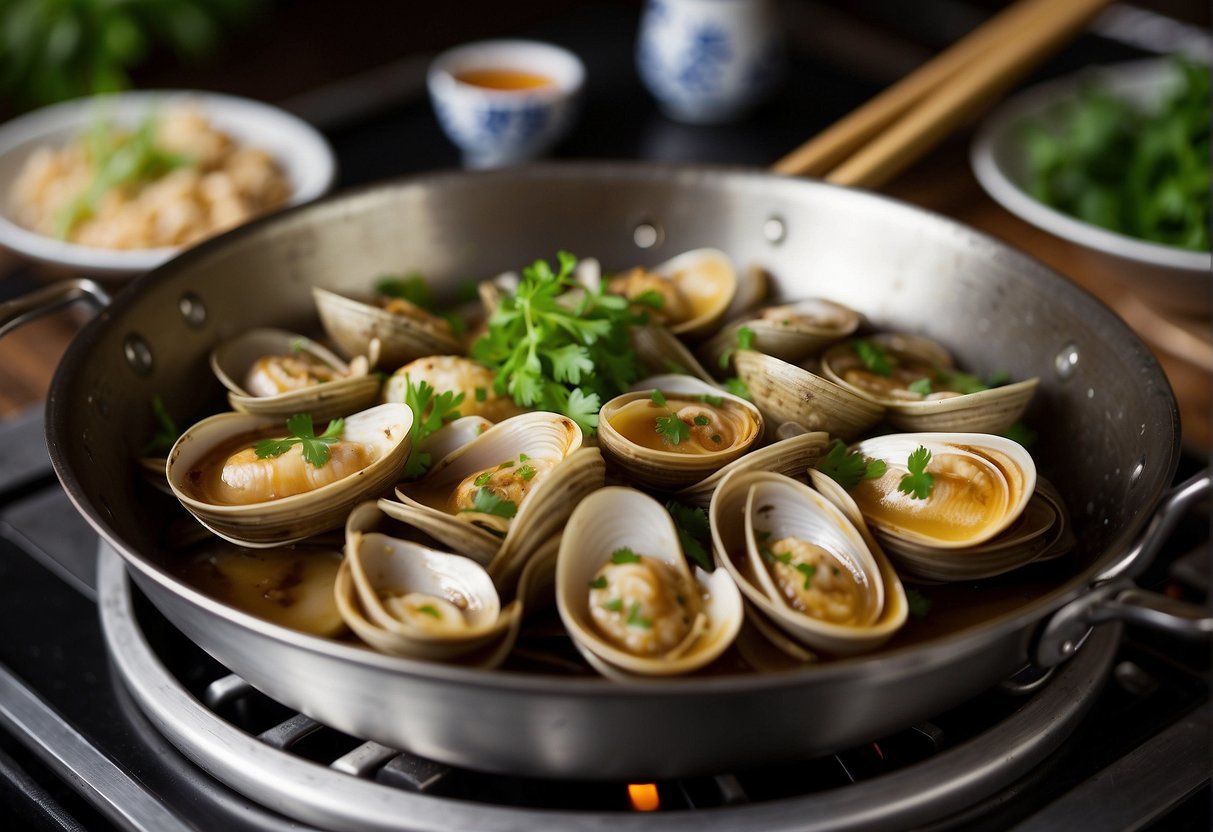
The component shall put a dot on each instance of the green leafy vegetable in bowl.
(1136, 172)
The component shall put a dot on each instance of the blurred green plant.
(51, 50)
(1144, 173)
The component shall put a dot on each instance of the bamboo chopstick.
(924, 106)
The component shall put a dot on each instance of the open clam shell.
(457, 374)
(352, 324)
(699, 286)
(790, 332)
(982, 484)
(787, 393)
(409, 600)
(549, 442)
(379, 436)
(751, 505)
(627, 431)
(662, 352)
(792, 457)
(914, 358)
(650, 642)
(262, 367)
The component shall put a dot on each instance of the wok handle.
(50, 299)
(1114, 596)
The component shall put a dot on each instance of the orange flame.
(644, 797)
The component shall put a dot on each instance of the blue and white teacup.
(505, 101)
(708, 61)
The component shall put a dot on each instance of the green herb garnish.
(714, 401)
(702, 420)
(624, 555)
(694, 532)
(921, 386)
(483, 479)
(808, 570)
(412, 288)
(526, 472)
(918, 603)
(430, 611)
(613, 605)
(430, 413)
(166, 430)
(775, 557)
(873, 356)
(486, 502)
(559, 354)
(1021, 433)
(635, 619)
(301, 432)
(598, 583)
(650, 298)
(918, 483)
(738, 388)
(670, 426)
(743, 340)
(848, 469)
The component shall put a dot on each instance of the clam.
(661, 352)
(627, 596)
(805, 567)
(676, 430)
(787, 393)
(790, 332)
(982, 483)
(405, 331)
(503, 494)
(695, 289)
(409, 600)
(916, 381)
(272, 372)
(792, 457)
(215, 473)
(459, 375)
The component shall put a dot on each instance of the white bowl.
(496, 127)
(1166, 277)
(304, 155)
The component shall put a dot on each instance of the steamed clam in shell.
(459, 375)
(790, 332)
(637, 430)
(786, 393)
(272, 372)
(215, 473)
(505, 493)
(916, 380)
(805, 567)
(695, 288)
(408, 600)
(404, 330)
(627, 596)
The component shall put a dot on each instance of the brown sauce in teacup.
(503, 79)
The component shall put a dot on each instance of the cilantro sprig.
(918, 483)
(558, 350)
(430, 412)
(302, 432)
(670, 426)
(694, 533)
(873, 356)
(849, 469)
(744, 340)
(486, 502)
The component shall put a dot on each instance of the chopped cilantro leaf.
(624, 555)
(694, 533)
(650, 298)
(717, 438)
(714, 401)
(486, 502)
(848, 469)
(873, 356)
(658, 398)
(775, 557)
(743, 340)
(808, 570)
(1021, 433)
(481, 394)
(635, 619)
(412, 287)
(526, 472)
(301, 432)
(430, 611)
(921, 386)
(673, 429)
(702, 420)
(483, 479)
(918, 483)
(613, 605)
(738, 388)
(598, 583)
(166, 430)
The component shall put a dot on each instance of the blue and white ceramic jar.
(709, 61)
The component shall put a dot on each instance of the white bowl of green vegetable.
(301, 153)
(1116, 160)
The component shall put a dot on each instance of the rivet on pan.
(1066, 361)
(138, 354)
(192, 309)
(775, 229)
(1067, 647)
(646, 235)
(1138, 470)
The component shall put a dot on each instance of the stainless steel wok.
(1106, 416)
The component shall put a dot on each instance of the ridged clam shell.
(668, 470)
(987, 411)
(787, 393)
(231, 361)
(792, 457)
(383, 428)
(352, 325)
(661, 352)
(456, 374)
(1004, 466)
(790, 332)
(593, 532)
(708, 279)
(813, 518)
(381, 567)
